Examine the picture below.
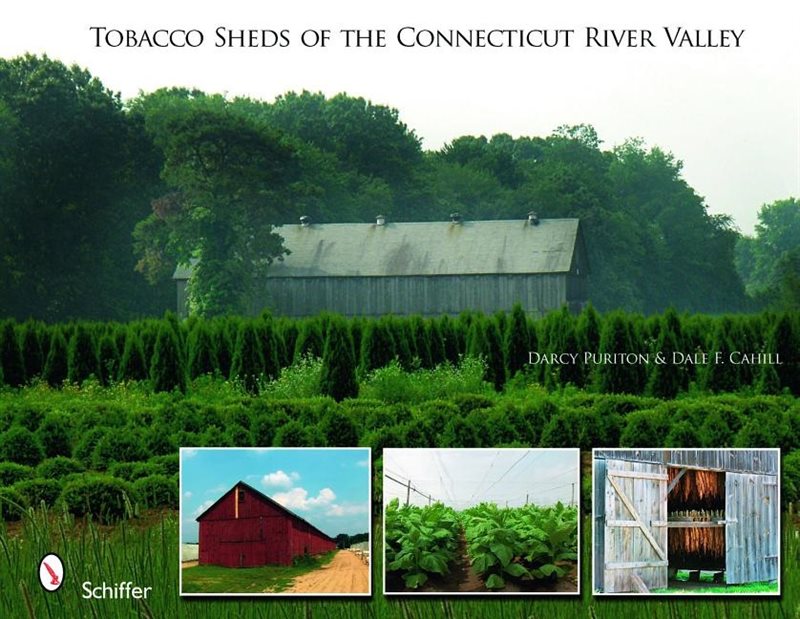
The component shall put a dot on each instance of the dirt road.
(346, 573)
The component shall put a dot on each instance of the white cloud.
(187, 494)
(298, 499)
(347, 510)
(364, 463)
(188, 453)
(279, 479)
(203, 507)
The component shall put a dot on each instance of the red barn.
(246, 528)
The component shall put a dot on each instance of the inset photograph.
(275, 521)
(686, 521)
(481, 521)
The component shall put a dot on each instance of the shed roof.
(263, 497)
(425, 248)
(759, 461)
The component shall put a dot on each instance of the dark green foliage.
(157, 491)
(55, 436)
(339, 430)
(32, 351)
(37, 491)
(295, 434)
(460, 432)
(132, 471)
(11, 473)
(784, 341)
(86, 444)
(83, 360)
(721, 377)
(101, 496)
(13, 366)
(668, 379)
(123, 445)
(109, 359)
(167, 372)
(58, 467)
(683, 434)
(202, 351)
(645, 429)
(12, 504)
(309, 341)
(133, 365)
(169, 463)
(615, 340)
(517, 341)
(338, 375)
(270, 346)
(20, 445)
(377, 346)
(248, 360)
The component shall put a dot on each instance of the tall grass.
(149, 556)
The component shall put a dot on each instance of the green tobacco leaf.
(503, 553)
(432, 563)
(495, 582)
(415, 580)
(516, 570)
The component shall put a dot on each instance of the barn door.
(751, 528)
(635, 531)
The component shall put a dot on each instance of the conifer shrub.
(101, 496)
(338, 372)
(166, 367)
(83, 360)
(12, 504)
(157, 491)
(55, 435)
(11, 473)
(59, 467)
(34, 492)
(20, 445)
(11, 355)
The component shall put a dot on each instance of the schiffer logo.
(51, 572)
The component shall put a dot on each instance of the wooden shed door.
(751, 531)
(635, 531)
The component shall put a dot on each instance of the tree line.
(168, 354)
(100, 198)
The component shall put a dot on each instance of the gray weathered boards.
(751, 523)
(642, 497)
(428, 268)
(635, 531)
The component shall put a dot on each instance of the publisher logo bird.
(51, 572)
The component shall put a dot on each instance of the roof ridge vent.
(455, 217)
(533, 218)
(305, 221)
(380, 220)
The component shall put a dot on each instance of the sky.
(461, 478)
(732, 115)
(327, 487)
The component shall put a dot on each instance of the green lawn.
(270, 578)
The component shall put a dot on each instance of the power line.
(525, 455)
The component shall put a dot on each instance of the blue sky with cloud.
(327, 487)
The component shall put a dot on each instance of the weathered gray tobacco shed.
(657, 511)
(427, 268)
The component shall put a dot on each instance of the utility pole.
(429, 499)
(408, 492)
(572, 502)
(526, 499)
